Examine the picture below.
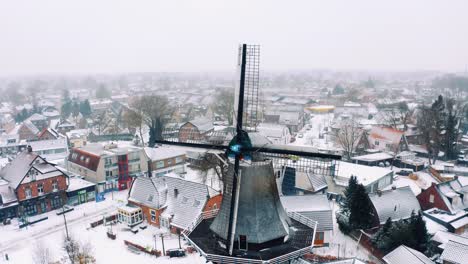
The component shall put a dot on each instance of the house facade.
(171, 202)
(386, 139)
(195, 130)
(110, 166)
(163, 160)
(34, 184)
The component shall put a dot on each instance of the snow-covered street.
(20, 244)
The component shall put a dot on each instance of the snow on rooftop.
(364, 174)
(163, 152)
(77, 184)
(373, 157)
(445, 216)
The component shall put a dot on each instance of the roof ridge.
(412, 253)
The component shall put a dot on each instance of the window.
(169, 162)
(54, 185)
(376, 143)
(30, 209)
(431, 198)
(150, 198)
(319, 236)
(160, 164)
(87, 160)
(27, 192)
(153, 215)
(179, 159)
(40, 188)
(56, 202)
(215, 206)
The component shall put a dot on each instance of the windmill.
(251, 222)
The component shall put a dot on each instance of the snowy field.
(20, 244)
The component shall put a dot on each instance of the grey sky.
(119, 36)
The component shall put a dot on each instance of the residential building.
(28, 131)
(373, 178)
(396, 203)
(455, 253)
(294, 182)
(11, 144)
(454, 222)
(404, 254)
(39, 121)
(51, 149)
(277, 134)
(386, 139)
(195, 130)
(110, 166)
(36, 185)
(172, 202)
(450, 196)
(164, 160)
(316, 207)
(48, 133)
(80, 191)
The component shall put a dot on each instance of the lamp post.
(65, 220)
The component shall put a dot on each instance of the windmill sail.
(251, 85)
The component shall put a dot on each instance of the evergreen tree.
(75, 109)
(420, 233)
(66, 110)
(360, 208)
(348, 193)
(85, 108)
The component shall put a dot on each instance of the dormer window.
(150, 198)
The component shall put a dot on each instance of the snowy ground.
(20, 244)
(313, 130)
(344, 246)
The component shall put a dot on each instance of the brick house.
(48, 133)
(163, 160)
(450, 196)
(28, 131)
(172, 202)
(196, 130)
(37, 186)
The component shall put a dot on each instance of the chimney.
(379, 193)
(393, 187)
(29, 149)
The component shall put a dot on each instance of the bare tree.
(41, 254)
(213, 162)
(78, 252)
(348, 136)
(133, 117)
(155, 112)
(224, 104)
(430, 125)
(398, 115)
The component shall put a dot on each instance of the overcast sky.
(130, 36)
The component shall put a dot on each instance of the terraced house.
(29, 185)
(110, 166)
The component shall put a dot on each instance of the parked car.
(177, 252)
(405, 172)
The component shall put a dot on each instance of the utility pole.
(155, 239)
(178, 232)
(162, 240)
(65, 220)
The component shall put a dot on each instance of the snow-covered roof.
(49, 144)
(272, 130)
(78, 184)
(396, 204)
(373, 157)
(443, 237)
(183, 200)
(163, 152)
(17, 169)
(315, 207)
(364, 174)
(407, 255)
(455, 252)
(37, 117)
